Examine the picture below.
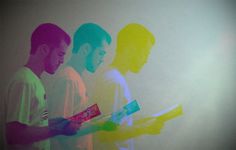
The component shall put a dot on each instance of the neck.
(36, 66)
(121, 66)
(77, 62)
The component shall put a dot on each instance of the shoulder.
(19, 83)
(23, 76)
(114, 75)
(68, 74)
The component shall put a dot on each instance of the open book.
(87, 114)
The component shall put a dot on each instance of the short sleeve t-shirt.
(111, 92)
(67, 97)
(26, 103)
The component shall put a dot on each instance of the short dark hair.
(135, 35)
(89, 33)
(50, 34)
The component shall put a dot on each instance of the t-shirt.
(111, 92)
(67, 96)
(26, 103)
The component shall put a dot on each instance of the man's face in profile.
(95, 58)
(55, 58)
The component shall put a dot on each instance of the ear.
(85, 49)
(43, 50)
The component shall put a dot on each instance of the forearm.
(87, 130)
(92, 127)
(125, 132)
(22, 134)
(121, 134)
(35, 134)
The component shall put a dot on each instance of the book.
(126, 110)
(87, 114)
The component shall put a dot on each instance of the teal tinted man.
(68, 94)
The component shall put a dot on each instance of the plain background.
(192, 62)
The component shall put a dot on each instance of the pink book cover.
(87, 114)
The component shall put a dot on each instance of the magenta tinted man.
(26, 114)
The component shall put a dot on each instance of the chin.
(135, 70)
(92, 71)
(51, 71)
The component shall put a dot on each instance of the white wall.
(192, 63)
